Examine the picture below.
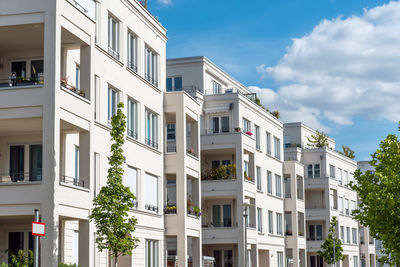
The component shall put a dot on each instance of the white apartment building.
(64, 66)
(370, 249)
(327, 175)
(241, 165)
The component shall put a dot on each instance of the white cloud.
(165, 2)
(344, 68)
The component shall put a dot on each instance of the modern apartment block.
(327, 194)
(241, 164)
(64, 66)
(370, 249)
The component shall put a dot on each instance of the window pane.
(217, 215)
(151, 192)
(227, 215)
(35, 162)
(178, 83)
(169, 84)
(225, 124)
(319, 232)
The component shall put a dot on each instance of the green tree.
(111, 205)
(332, 247)
(379, 193)
(319, 140)
(348, 152)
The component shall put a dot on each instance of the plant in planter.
(82, 93)
(170, 210)
(191, 151)
(219, 172)
(238, 129)
(194, 211)
(64, 81)
(189, 201)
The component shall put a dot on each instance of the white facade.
(73, 61)
(327, 175)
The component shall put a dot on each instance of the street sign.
(38, 228)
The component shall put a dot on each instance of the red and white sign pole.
(38, 230)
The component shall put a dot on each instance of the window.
(76, 168)
(97, 18)
(257, 134)
(346, 206)
(217, 88)
(319, 231)
(355, 260)
(112, 102)
(362, 235)
(219, 124)
(315, 232)
(345, 178)
(132, 119)
(151, 66)
(35, 162)
(113, 37)
(354, 233)
(151, 192)
(280, 259)
(268, 143)
(279, 224)
(131, 181)
(152, 253)
(288, 223)
(317, 172)
(226, 215)
(174, 84)
(96, 97)
(259, 185)
(332, 171)
(352, 206)
(246, 171)
(348, 234)
(19, 67)
(77, 76)
(269, 182)
(341, 205)
(300, 187)
(287, 187)
(278, 185)
(342, 238)
(310, 171)
(151, 129)
(246, 126)
(259, 220)
(300, 223)
(316, 261)
(339, 176)
(277, 148)
(132, 52)
(270, 222)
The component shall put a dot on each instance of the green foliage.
(379, 194)
(276, 114)
(348, 152)
(331, 250)
(67, 265)
(223, 172)
(318, 140)
(112, 204)
(19, 259)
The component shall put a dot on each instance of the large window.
(342, 237)
(280, 259)
(347, 206)
(270, 222)
(246, 126)
(132, 52)
(259, 220)
(355, 234)
(316, 261)
(269, 182)
(352, 206)
(151, 68)
(258, 176)
(315, 232)
(279, 224)
(151, 129)
(355, 260)
(332, 171)
(348, 235)
(17, 163)
(224, 212)
(132, 118)
(112, 102)
(340, 176)
(151, 192)
(257, 134)
(217, 88)
(278, 185)
(131, 181)
(152, 253)
(113, 37)
(219, 124)
(313, 171)
(174, 84)
(341, 205)
(268, 143)
(277, 148)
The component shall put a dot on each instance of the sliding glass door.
(17, 163)
(35, 162)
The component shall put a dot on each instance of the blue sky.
(330, 63)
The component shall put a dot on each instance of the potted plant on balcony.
(238, 129)
(191, 151)
(64, 81)
(189, 201)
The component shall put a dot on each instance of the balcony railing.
(132, 66)
(221, 131)
(152, 143)
(113, 53)
(87, 7)
(151, 80)
(132, 134)
(17, 81)
(68, 180)
(72, 88)
(21, 177)
(151, 208)
(223, 172)
(171, 147)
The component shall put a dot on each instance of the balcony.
(21, 177)
(72, 181)
(87, 7)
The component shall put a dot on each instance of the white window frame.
(151, 66)
(113, 36)
(152, 136)
(111, 104)
(132, 48)
(152, 251)
(277, 148)
(132, 122)
(278, 185)
(257, 136)
(217, 88)
(269, 183)
(268, 143)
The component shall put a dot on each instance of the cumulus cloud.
(345, 67)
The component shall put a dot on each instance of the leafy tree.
(276, 114)
(379, 194)
(332, 247)
(348, 152)
(111, 205)
(319, 140)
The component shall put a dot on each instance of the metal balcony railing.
(19, 177)
(151, 79)
(132, 66)
(150, 207)
(151, 143)
(132, 133)
(18, 81)
(68, 180)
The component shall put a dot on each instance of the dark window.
(15, 243)
(19, 68)
(169, 84)
(35, 162)
(17, 163)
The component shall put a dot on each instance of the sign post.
(38, 229)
